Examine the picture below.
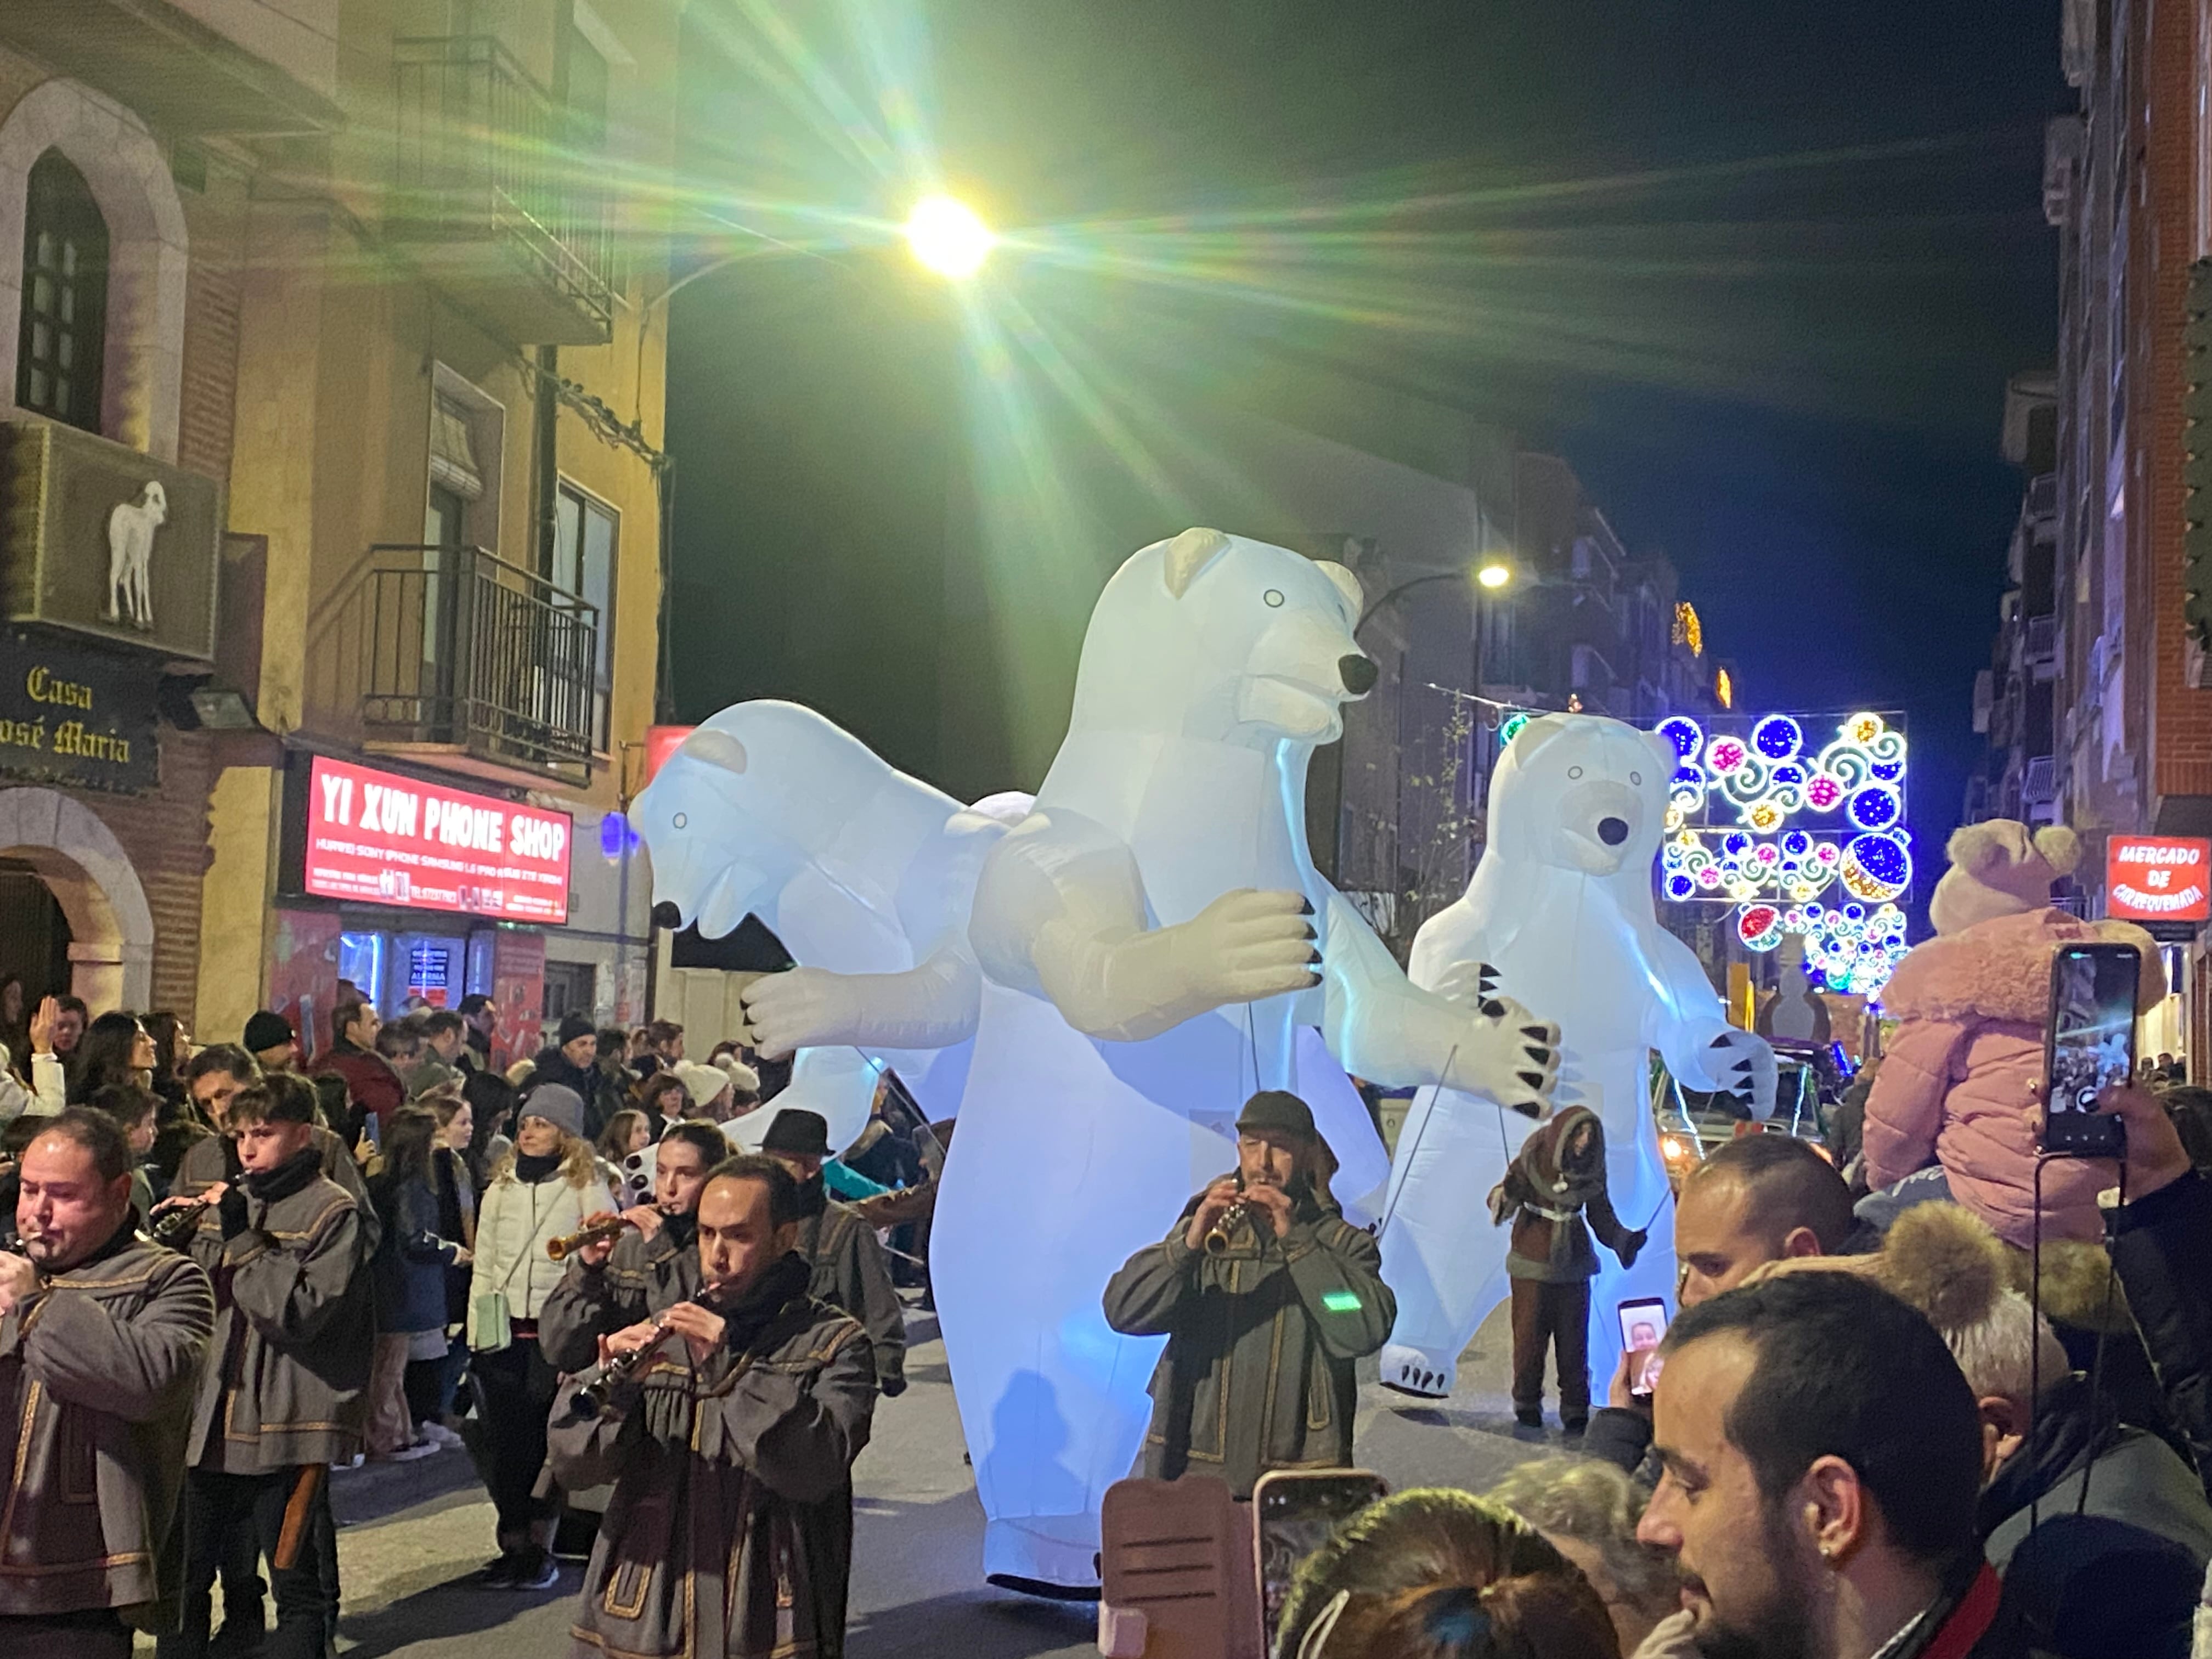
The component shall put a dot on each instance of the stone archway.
(147, 252)
(91, 877)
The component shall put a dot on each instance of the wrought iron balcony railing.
(504, 209)
(463, 650)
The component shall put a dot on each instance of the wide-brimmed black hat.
(1279, 1110)
(798, 1132)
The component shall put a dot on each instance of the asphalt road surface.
(410, 1534)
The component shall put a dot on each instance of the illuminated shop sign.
(378, 838)
(2158, 879)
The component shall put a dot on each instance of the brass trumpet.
(561, 1248)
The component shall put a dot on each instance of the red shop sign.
(382, 839)
(2158, 879)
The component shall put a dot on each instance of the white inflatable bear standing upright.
(1560, 907)
(1159, 945)
(865, 873)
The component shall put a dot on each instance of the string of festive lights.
(1803, 824)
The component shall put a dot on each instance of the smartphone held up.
(2088, 1044)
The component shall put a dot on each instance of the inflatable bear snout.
(1599, 820)
(1359, 674)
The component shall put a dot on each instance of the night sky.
(1759, 270)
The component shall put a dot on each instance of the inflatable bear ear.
(2060, 847)
(715, 748)
(1190, 553)
(1670, 758)
(1535, 731)
(1346, 583)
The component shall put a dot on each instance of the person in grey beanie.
(542, 1190)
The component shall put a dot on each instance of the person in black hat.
(571, 1060)
(1266, 1296)
(849, 1268)
(272, 1040)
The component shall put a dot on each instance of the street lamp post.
(1492, 574)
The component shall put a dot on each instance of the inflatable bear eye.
(1273, 596)
(1636, 777)
(680, 820)
(1574, 771)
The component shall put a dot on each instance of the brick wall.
(166, 834)
(2164, 244)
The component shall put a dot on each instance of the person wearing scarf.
(649, 1266)
(729, 1433)
(1557, 1179)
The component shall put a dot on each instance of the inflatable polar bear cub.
(1560, 909)
(1158, 946)
(865, 873)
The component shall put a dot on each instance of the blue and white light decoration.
(1758, 822)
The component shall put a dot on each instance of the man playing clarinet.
(1266, 1296)
(102, 1336)
(728, 1426)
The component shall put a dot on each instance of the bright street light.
(948, 238)
(1494, 574)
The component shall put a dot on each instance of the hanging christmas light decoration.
(1790, 824)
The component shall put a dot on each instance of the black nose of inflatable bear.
(666, 915)
(1359, 673)
(1612, 831)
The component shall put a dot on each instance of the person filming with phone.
(1266, 1296)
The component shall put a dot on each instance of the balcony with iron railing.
(465, 661)
(498, 206)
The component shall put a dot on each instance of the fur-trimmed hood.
(2000, 970)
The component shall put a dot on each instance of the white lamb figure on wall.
(1560, 907)
(1156, 944)
(130, 529)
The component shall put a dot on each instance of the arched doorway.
(84, 867)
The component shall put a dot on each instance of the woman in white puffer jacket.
(540, 1191)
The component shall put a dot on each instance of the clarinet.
(176, 1225)
(595, 1396)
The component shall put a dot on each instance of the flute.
(561, 1248)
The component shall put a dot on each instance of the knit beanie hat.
(702, 1083)
(557, 1103)
(2000, 868)
(267, 1031)
(574, 1024)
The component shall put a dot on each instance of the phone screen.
(1643, 1322)
(1295, 1512)
(2090, 1043)
(369, 1128)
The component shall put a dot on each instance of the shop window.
(586, 535)
(61, 344)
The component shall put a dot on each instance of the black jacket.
(2101, 1531)
(2161, 1246)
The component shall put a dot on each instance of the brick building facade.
(2128, 185)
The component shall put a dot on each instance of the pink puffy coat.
(1954, 1084)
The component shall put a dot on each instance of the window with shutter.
(60, 351)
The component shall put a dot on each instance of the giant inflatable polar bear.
(1560, 906)
(1150, 962)
(865, 873)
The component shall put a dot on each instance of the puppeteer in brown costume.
(1557, 1178)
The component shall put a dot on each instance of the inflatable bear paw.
(1506, 1054)
(1408, 1370)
